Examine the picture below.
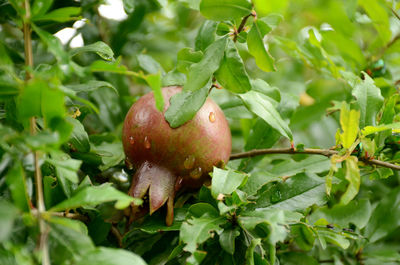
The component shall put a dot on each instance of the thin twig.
(75, 216)
(309, 151)
(117, 234)
(38, 174)
(395, 13)
(241, 26)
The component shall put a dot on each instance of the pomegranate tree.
(167, 159)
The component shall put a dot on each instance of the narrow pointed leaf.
(231, 73)
(369, 100)
(200, 73)
(261, 105)
(94, 195)
(226, 181)
(255, 43)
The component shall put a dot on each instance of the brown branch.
(395, 14)
(117, 234)
(44, 230)
(241, 26)
(309, 151)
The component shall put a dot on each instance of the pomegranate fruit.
(167, 159)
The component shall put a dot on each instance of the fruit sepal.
(159, 183)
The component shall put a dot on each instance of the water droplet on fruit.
(147, 143)
(178, 183)
(189, 162)
(196, 173)
(211, 117)
(131, 140)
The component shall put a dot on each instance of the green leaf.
(186, 57)
(330, 236)
(53, 44)
(349, 122)
(53, 107)
(66, 243)
(385, 217)
(147, 63)
(111, 154)
(8, 213)
(226, 181)
(227, 240)
(8, 87)
(263, 87)
(79, 138)
(268, 223)
(99, 47)
(356, 212)
(91, 196)
(369, 100)
(296, 258)
(231, 73)
(16, 182)
(173, 78)
(185, 105)
(65, 166)
(72, 224)
(312, 164)
(367, 130)
(276, 6)
(112, 67)
(225, 9)
(255, 43)
(250, 251)
(354, 179)
(205, 35)
(155, 224)
(296, 193)
(110, 256)
(389, 110)
(261, 105)
(40, 7)
(303, 235)
(256, 180)
(154, 81)
(380, 18)
(197, 230)
(29, 100)
(200, 73)
(59, 15)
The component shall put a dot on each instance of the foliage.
(313, 73)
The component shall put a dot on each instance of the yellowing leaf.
(353, 177)
(349, 120)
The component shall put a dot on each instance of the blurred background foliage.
(319, 47)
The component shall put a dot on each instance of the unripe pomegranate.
(167, 159)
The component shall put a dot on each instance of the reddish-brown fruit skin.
(204, 142)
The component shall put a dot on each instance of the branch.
(118, 236)
(32, 122)
(309, 151)
(241, 26)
